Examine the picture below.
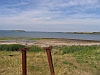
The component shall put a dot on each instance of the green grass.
(73, 49)
(39, 38)
(11, 38)
(35, 49)
(10, 47)
(15, 47)
(68, 60)
(6, 38)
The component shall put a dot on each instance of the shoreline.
(43, 42)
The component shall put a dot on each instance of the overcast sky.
(50, 15)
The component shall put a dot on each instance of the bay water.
(31, 34)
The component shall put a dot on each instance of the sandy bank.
(54, 42)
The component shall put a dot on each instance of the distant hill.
(18, 30)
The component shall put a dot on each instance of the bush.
(73, 49)
(15, 47)
(35, 49)
(11, 47)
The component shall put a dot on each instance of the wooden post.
(48, 51)
(24, 68)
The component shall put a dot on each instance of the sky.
(50, 15)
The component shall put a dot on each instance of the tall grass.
(10, 47)
(73, 48)
(35, 49)
(15, 47)
(68, 60)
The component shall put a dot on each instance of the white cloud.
(51, 12)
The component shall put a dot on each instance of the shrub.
(11, 47)
(73, 49)
(35, 49)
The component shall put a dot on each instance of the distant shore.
(51, 42)
(82, 32)
(78, 32)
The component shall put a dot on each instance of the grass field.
(67, 60)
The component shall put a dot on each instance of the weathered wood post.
(24, 68)
(48, 51)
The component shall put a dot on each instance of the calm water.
(49, 35)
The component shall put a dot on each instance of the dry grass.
(37, 64)
(10, 65)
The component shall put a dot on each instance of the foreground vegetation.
(68, 60)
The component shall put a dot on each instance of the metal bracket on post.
(48, 51)
(24, 70)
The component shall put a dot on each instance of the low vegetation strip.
(73, 48)
(15, 47)
(68, 60)
(10, 47)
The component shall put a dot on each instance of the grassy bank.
(68, 60)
